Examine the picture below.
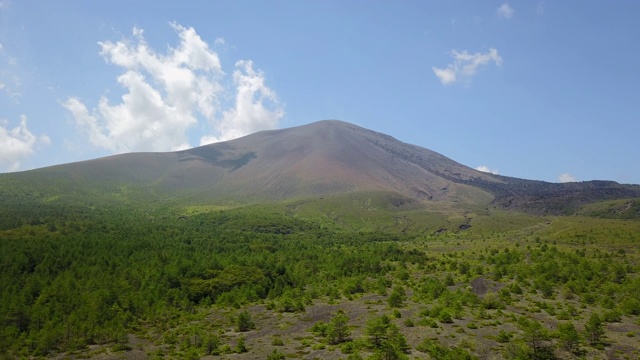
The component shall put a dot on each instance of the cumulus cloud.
(486, 169)
(167, 94)
(252, 111)
(465, 65)
(17, 144)
(505, 11)
(566, 177)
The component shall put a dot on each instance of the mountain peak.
(328, 157)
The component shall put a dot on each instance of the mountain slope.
(330, 157)
(323, 158)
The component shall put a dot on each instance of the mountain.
(324, 158)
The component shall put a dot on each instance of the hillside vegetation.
(363, 276)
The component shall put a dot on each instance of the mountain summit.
(324, 158)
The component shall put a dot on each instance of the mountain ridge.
(323, 158)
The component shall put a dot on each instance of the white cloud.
(167, 94)
(256, 106)
(465, 65)
(447, 76)
(486, 169)
(566, 177)
(17, 144)
(219, 41)
(505, 11)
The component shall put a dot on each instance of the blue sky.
(544, 90)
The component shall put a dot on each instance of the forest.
(172, 281)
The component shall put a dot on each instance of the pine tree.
(338, 329)
(397, 297)
(244, 322)
(594, 329)
(213, 344)
(569, 337)
(241, 347)
(377, 330)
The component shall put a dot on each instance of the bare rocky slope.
(323, 158)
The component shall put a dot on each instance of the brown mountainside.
(323, 158)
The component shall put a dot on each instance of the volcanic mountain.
(324, 158)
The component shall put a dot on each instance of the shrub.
(276, 355)
(320, 329)
(348, 348)
(244, 322)
(491, 302)
(397, 297)
(445, 317)
(612, 316)
(630, 306)
(241, 347)
(503, 337)
(442, 352)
